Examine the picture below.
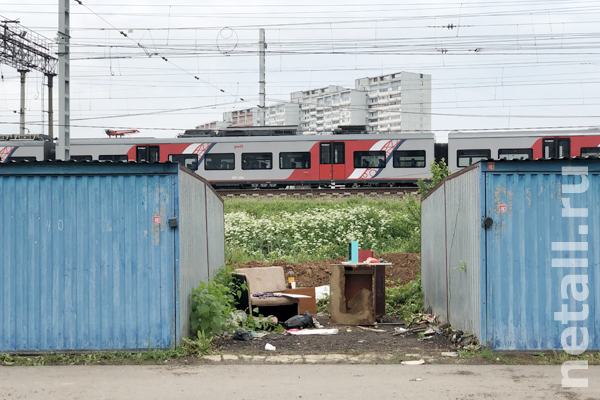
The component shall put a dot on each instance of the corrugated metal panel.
(216, 231)
(85, 265)
(523, 289)
(433, 253)
(463, 222)
(193, 244)
(202, 243)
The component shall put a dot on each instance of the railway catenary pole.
(64, 122)
(261, 78)
(25, 50)
(50, 108)
(23, 73)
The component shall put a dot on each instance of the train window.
(219, 161)
(468, 157)
(187, 160)
(81, 158)
(147, 153)
(332, 153)
(257, 160)
(113, 157)
(590, 152)
(556, 147)
(21, 159)
(515, 154)
(369, 159)
(409, 159)
(296, 160)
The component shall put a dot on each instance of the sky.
(166, 66)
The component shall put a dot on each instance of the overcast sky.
(494, 64)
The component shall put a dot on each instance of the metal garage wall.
(216, 230)
(87, 257)
(202, 238)
(463, 230)
(433, 252)
(523, 288)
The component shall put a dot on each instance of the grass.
(553, 358)
(269, 208)
(188, 348)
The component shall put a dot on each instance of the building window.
(257, 160)
(219, 161)
(369, 159)
(468, 157)
(409, 159)
(294, 160)
(515, 154)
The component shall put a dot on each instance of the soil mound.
(405, 267)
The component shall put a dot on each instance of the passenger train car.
(466, 148)
(279, 160)
(343, 159)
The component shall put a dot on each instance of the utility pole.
(261, 79)
(64, 122)
(23, 72)
(50, 108)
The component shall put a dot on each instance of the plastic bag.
(242, 334)
(299, 321)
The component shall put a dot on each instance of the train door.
(332, 159)
(556, 147)
(147, 154)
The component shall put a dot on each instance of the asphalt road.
(430, 382)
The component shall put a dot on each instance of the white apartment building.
(240, 118)
(213, 125)
(398, 102)
(282, 114)
(324, 109)
(391, 103)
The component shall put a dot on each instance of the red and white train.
(344, 159)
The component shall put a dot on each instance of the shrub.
(405, 300)
(439, 170)
(212, 303)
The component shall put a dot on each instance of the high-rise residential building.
(282, 114)
(398, 102)
(240, 118)
(391, 103)
(324, 109)
(213, 125)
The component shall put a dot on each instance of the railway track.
(347, 192)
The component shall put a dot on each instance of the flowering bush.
(321, 233)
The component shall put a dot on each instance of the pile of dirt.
(405, 267)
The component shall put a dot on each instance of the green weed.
(305, 230)
(405, 300)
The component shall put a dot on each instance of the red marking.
(5, 152)
(491, 166)
(502, 208)
(577, 142)
(156, 220)
(166, 149)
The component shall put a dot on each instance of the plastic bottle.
(291, 279)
